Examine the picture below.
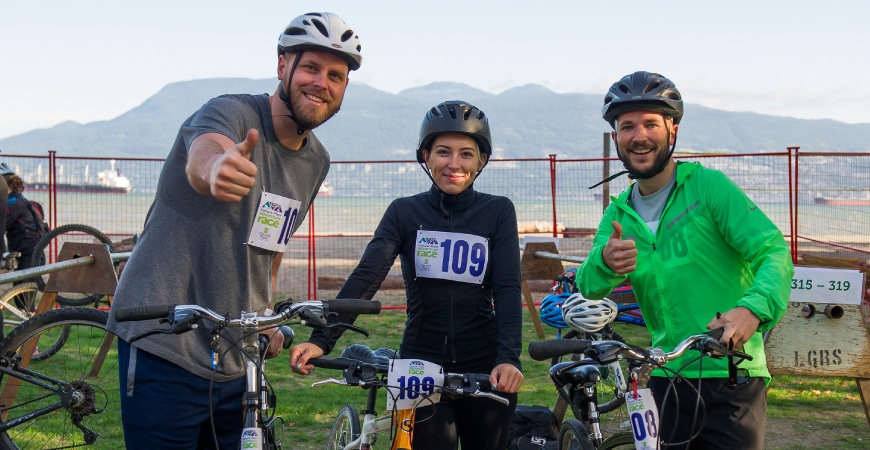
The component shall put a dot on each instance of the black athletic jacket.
(461, 326)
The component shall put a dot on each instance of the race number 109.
(463, 257)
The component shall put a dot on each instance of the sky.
(92, 60)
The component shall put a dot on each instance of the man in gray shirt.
(243, 171)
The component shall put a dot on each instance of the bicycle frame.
(258, 432)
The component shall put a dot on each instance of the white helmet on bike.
(586, 315)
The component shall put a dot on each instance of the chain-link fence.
(820, 201)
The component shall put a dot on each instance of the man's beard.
(662, 156)
(307, 117)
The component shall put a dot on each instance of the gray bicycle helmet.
(6, 170)
(322, 31)
(455, 116)
(642, 91)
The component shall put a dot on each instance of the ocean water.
(123, 215)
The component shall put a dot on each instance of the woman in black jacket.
(460, 257)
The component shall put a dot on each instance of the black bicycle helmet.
(322, 31)
(642, 91)
(455, 116)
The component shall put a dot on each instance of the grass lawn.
(803, 412)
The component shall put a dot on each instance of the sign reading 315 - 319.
(451, 256)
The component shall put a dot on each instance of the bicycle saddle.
(362, 352)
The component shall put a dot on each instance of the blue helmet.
(551, 310)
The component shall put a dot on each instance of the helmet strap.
(287, 101)
(633, 175)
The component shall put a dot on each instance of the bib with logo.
(451, 256)
(274, 221)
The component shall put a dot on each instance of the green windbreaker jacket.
(714, 250)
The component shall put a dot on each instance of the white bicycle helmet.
(322, 31)
(586, 315)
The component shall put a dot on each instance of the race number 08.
(643, 425)
(462, 258)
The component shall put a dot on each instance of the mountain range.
(530, 121)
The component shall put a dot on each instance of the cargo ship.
(108, 182)
(840, 201)
(325, 190)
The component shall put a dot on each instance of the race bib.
(644, 417)
(451, 256)
(413, 382)
(274, 221)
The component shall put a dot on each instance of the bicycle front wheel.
(345, 428)
(19, 304)
(53, 241)
(70, 398)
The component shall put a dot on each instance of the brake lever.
(350, 327)
(187, 323)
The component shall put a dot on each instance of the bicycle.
(371, 372)
(584, 375)
(262, 428)
(593, 319)
(48, 247)
(61, 399)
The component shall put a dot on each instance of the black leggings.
(735, 415)
(478, 423)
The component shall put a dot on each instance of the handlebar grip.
(353, 306)
(143, 312)
(542, 350)
(331, 363)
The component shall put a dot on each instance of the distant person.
(701, 256)
(21, 231)
(464, 320)
(202, 243)
(4, 195)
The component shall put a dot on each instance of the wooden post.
(836, 344)
(95, 278)
(534, 268)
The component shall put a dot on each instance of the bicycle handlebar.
(312, 313)
(607, 351)
(285, 310)
(359, 373)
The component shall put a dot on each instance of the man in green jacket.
(701, 256)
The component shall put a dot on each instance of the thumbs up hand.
(620, 255)
(232, 173)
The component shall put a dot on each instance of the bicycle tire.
(26, 297)
(345, 428)
(76, 372)
(573, 436)
(73, 232)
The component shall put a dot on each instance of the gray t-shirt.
(650, 207)
(193, 248)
